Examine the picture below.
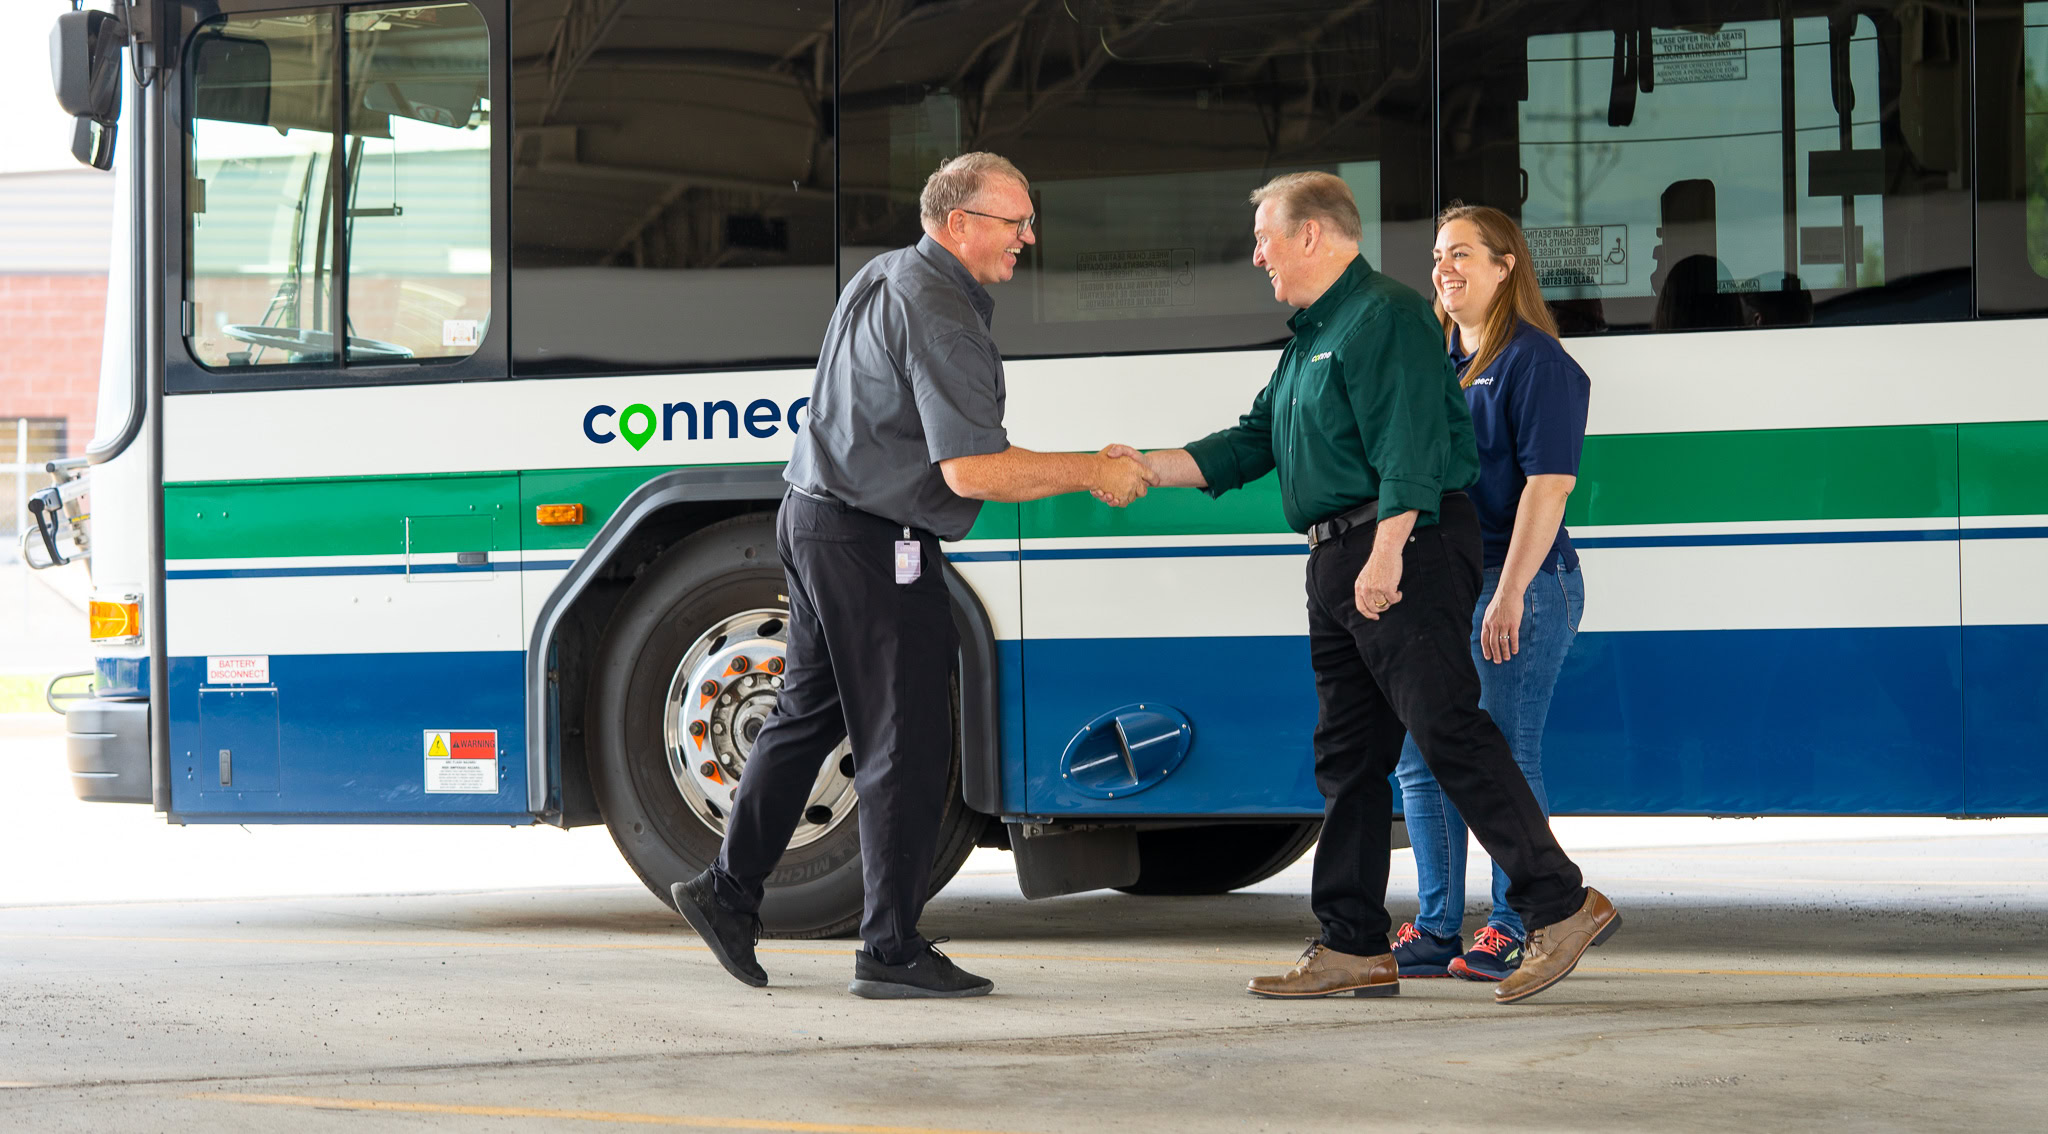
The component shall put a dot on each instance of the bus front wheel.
(687, 673)
(1220, 857)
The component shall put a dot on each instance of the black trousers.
(1411, 672)
(869, 659)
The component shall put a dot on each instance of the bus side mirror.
(85, 69)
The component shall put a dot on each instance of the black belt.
(820, 497)
(1366, 513)
(831, 501)
(1335, 526)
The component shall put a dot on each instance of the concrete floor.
(1897, 984)
(228, 979)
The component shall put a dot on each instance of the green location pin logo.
(637, 438)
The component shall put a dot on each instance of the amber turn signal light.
(558, 515)
(115, 621)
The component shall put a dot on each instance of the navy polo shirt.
(1529, 419)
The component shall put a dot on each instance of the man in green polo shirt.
(1368, 429)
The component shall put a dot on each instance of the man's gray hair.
(959, 181)
(1314, 196)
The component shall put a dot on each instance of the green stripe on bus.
(2005, 468)
(260, 519)
(254, 519)
(601, 491)
(1883, 472)
(1889, 472)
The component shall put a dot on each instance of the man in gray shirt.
(905, 440)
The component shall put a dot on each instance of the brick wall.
(50, 328)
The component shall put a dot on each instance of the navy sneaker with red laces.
(1493, 956)
(1421, 954)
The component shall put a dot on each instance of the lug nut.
(772, 665)
(740, 663)
(697, 729)
(709, 770)
(709, 689)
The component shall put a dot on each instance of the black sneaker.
(1494, 956)
(933, 975)
(1423, 954)
(730, 934)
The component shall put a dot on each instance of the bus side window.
(1736, 163)
(415, 215)
(2012, 158)
(673, 187)
(1142, 129)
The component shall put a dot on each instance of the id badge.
(909, 561)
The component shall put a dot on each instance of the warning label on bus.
(465, 762)
(1145, 277)
(1701, 57)
(1580, 255)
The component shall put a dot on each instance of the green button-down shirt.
(1364, 405)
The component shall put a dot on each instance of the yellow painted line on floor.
(1274, 962)
(1695, 880)
(600, 946)
(696, 1121)
(121, 903)
(1813, 973)
(1715, 856)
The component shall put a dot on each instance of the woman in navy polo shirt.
(1528, 401)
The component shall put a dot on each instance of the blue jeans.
(1516, 694)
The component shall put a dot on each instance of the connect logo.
(639, 423)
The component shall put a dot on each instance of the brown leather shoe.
(1554, 950)
(1323, 971)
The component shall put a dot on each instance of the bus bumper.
(106, 745)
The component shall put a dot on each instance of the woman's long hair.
(1519, 299)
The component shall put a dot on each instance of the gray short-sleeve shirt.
(909, 376)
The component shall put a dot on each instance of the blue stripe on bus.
(341, 737)
(371, 569)
(1766, 539)
(2005, 533)
(2005, 720)
(1829, 721)
(1833, 721)
(120, 678)
(1195, 551)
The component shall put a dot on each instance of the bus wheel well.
(662, 513)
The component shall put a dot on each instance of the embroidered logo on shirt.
(1486, 381)
(1322, 356)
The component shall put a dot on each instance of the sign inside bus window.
(642, 422)
(1143, 277)
(1580, 255)
(1701, 57)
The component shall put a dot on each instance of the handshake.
(1123, 474)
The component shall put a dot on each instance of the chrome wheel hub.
(723, 691)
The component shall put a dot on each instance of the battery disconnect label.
(465, 762)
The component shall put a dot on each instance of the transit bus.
(454, 348)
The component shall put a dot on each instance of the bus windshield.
(414, 218)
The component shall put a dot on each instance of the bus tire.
(1219, 857)
(713, 576)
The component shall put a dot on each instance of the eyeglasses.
(1022, 223)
